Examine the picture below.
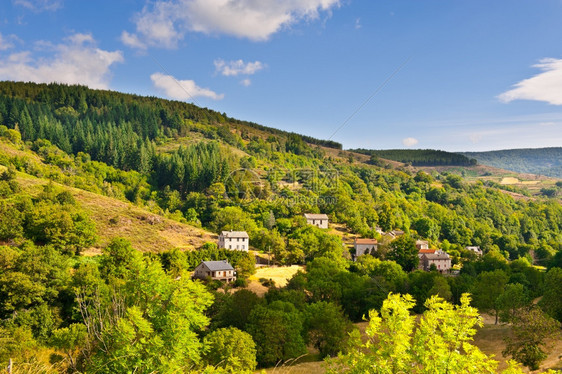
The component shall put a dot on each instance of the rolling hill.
(82, 169)
(543, 161)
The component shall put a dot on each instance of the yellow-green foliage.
(440, 342)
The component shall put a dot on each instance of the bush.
(267, 282)
(240, 282)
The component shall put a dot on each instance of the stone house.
(440, 259)
(364, 246)
(216, 270)
(318, 220)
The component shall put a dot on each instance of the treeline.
(68, 113)
(192, 168)
(543, 161)
(421, 157)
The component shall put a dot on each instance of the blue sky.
(452, 75)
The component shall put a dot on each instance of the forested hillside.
(543, 161)
(134, 308)
(419, 157)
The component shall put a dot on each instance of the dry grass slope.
(148, 232)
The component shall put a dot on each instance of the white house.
(364, 246)
(319, 220)
(474, 249)
(235, 240)
(220, 270)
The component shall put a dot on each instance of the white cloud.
(132, 40)
(358, 23)
(545, 86)
(409, 142)
(166, 22)
(76, 61)
(238, 67)
(5, 44)
(39, 5)
(181, 89)
(245, 82)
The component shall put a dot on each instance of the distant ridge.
(543, 161)
(420, 157)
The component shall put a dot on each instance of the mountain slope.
(147, 231)
(544, 161)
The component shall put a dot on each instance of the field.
(279, 274)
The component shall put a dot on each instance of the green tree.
(277, 331)
(441, 288)
(531, 329)
(327, 328)
(551, 301)
(11, 220)
(426, 228)
(511, 300)
(390, 272)
(236, 309)
(70, 340)
(439, 344)
(233, 218)
(487, 289)
(231, 349)
(404, 252)
(149, 321)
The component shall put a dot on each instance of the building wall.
(442, 265)
(321, 223)
(201, 272)
(239, 244)
(361, 249)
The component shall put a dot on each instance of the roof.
(437, 256)
(427, 250)
(235, 234)
(366, 241)
(315, 216)
(422, 242)
(218, 265)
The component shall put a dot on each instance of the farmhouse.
(219, 270)
(421, 252)
(364, 246)
(235, 240)
(318, 220)
(440, 259)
